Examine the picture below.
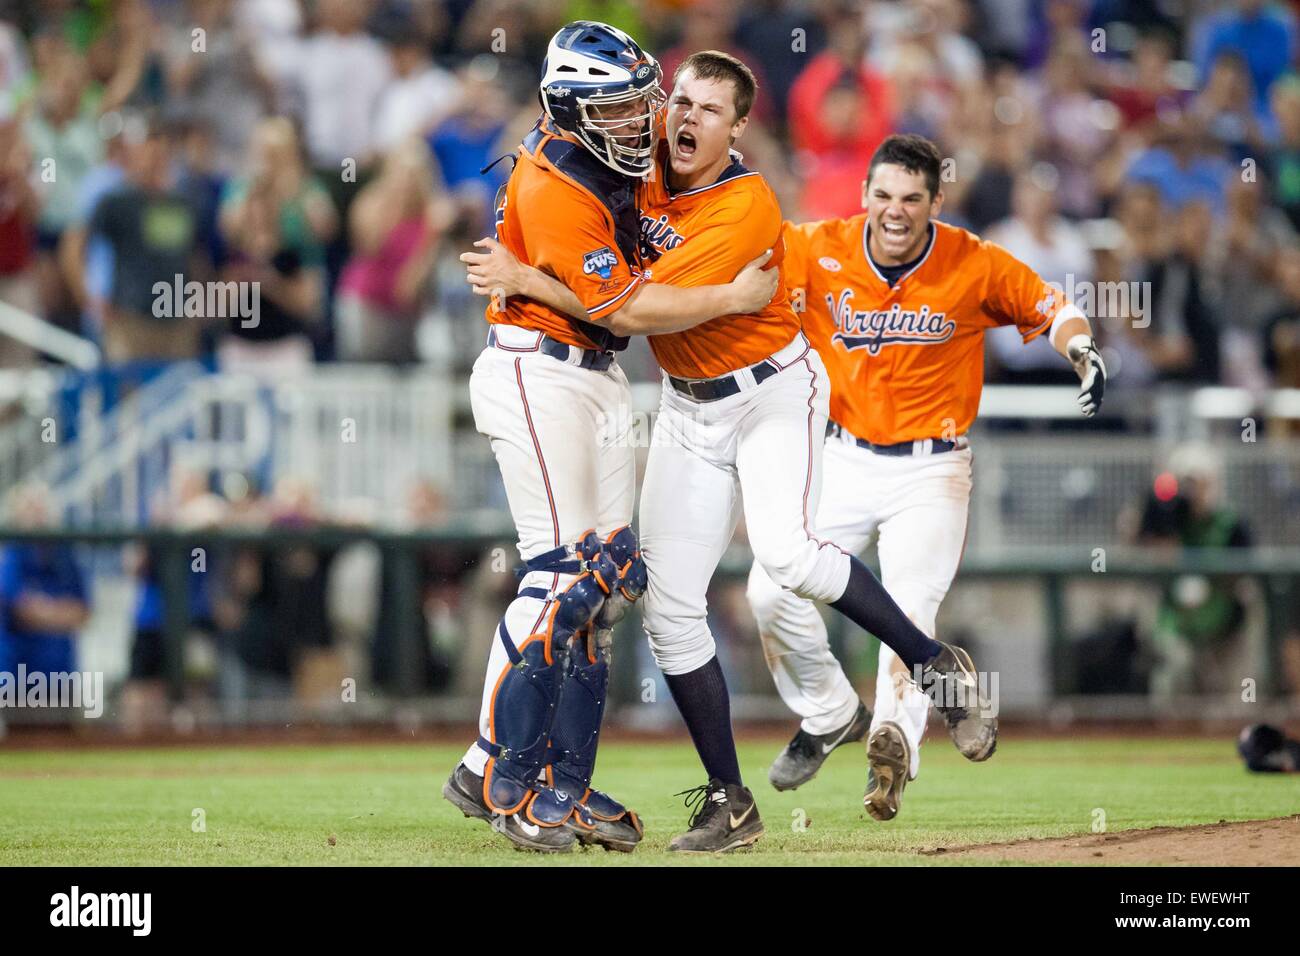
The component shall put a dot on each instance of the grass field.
(281, 804)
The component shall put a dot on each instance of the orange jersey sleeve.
(1015, 294)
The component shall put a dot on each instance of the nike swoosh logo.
(531, 829)
(731, 817)
(827, 748)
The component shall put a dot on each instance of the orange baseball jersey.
(574, 219)
(907, 362)
(704, 236)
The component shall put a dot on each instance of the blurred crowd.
(333, 151)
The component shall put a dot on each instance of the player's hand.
(754, 285)
(1086, 359)
(495, 272)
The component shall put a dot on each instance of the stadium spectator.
(1056, 249)
(1262, 34)
(1142, 88)
(18, 206)
(1282, 328)
(420, 95)
(1199, 619)
(214, 79)
(395, 226)
(152, 234)
(275, 221)
(711, 25)
(44, 600)
(1283, 160)
(845, 109)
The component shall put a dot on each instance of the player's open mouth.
(685, 144)
(895, 230)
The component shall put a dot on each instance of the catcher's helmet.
(591, 70)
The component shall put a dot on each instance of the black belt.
(593, 359)
(712, 389)
(904, 449)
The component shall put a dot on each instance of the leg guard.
(576, 731)
(524, 700)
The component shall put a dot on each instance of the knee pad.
(525, 698)
(624, 552)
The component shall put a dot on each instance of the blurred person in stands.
(275, 221)
(1078, 126)
(1263, 34)
(1056, 249)
(421, 94)
(188, 504)
(845, 109)
(1180, 165)
(472, 137)
(151, 232)
(1224, 112)
(1142, 87)
(18, 209)
(44, 597)
(1241, 258)
(711, 25)
(395, 226)
(1282, 161)
(1282, 330)
(767, 28)
(1200, 618)
(215, 81)
(65, 144)
(1183, 339)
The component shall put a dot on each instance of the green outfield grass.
(280, 805)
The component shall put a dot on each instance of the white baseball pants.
(919, 505)
(560, 435)
(765, 441)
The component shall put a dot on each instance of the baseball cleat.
(600, 820)
(950, 680)
(464, 790)
(804, 754)
(724, 818)
(526, 835)
(889, 760)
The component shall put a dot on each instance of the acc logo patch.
(829, 264)
(601, 262)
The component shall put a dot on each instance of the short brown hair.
(716, 65)
(914, 153)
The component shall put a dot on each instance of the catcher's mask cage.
(591, 70)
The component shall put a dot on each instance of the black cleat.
(725, 818)
(889, 761)
(951, 682)
(464, 789)
(804, 754)
(600, 820)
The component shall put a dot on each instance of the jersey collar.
(735, 170)
(866, 252)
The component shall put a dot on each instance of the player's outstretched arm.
(1072, 336)
(653, 309)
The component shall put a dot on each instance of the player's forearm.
(550, 291)
(656, 309)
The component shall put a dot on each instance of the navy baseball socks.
(944, 672)
(705, 705)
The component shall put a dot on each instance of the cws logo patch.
(874, 330)
(599, 263)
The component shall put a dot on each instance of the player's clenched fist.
(1086, 359)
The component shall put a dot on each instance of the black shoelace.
(699, 800)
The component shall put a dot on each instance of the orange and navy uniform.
(704, 236)
(906, 361)
(568, 215)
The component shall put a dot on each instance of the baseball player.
(743, 411)
(897, 304)
(546, 391)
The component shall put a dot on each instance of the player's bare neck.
(704, 177)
